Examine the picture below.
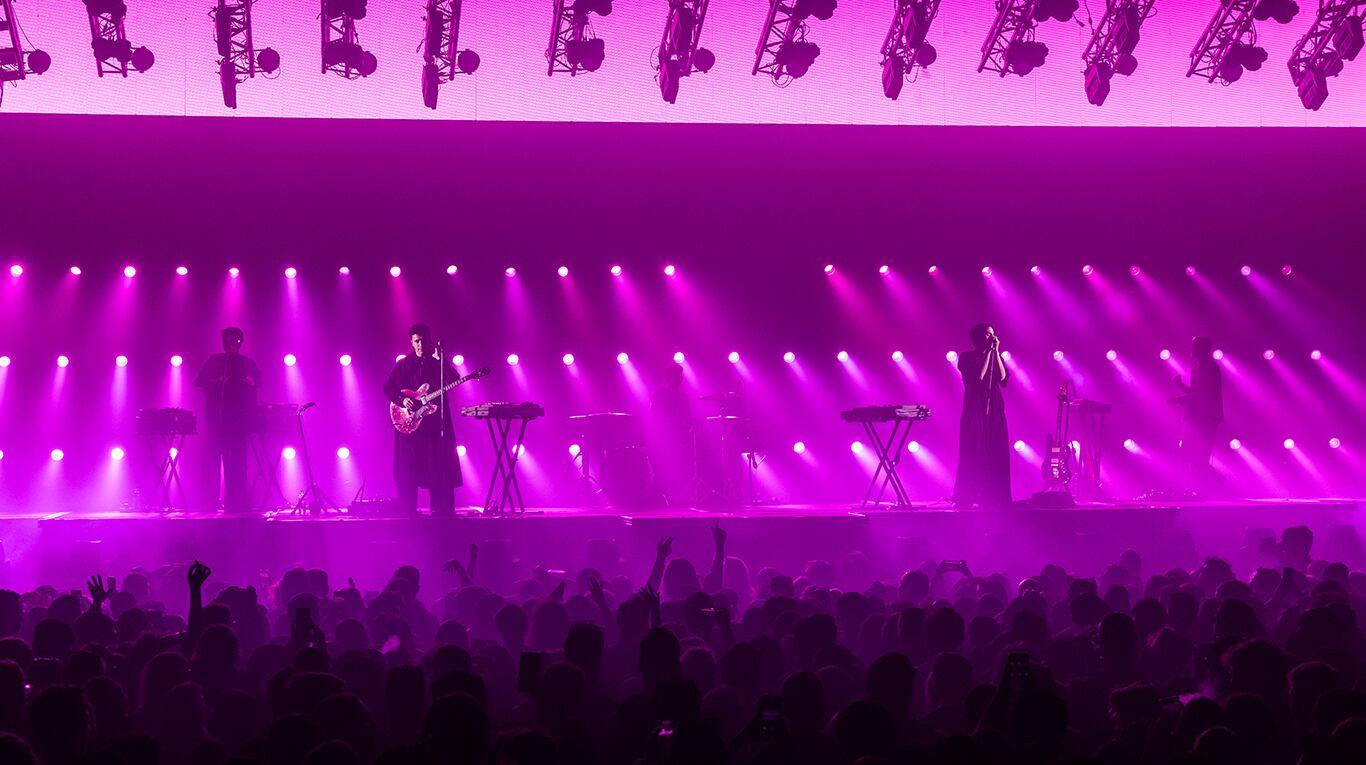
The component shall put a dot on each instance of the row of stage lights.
(16, 270)
(1226, 48)
(623, 358)
(118, 453)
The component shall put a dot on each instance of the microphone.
(306, 407)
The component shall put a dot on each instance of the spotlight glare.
(291, 272)
(790, 357)
(829, 269)
(568, 359)
(1131, 444)
(174, 452)
(1218, 355)
(1235, 444)
(182, 271)
(75, 270)
(733, 357)
(1035, 270)
(1165, 354)
(1288, 443)
(986, 270)
(343, 453)
(679, 357)
(57, 455)
(856, 447)
(234, 272)
(130, 272)
(291, 359)
(1245, 270)
(669, 270)
(16, 270)
(345, 359)
(842, 356)
(1316, 355)
(898, 356)
(452, 270)
(1135, 271)
(1005, 355)
(395, 271)
(1287, 270)
(4, 361)
(289, 453)
(1088, 269)
(460, 450)
(177, 360)
(458, 360)
(622, 358)
(1268, 354)
(116, 453)
(1111, 355)
(1058, 356)
(884, 270)
(120, 361)
(63, 361)
(563, 271)
(574, 450)
(799, 448)
(934, 270)
(510, 271)
(1019, 446)
(1334, 442)
(1190, 270)
(913, 447)
(344, 270)
(952, 356)
(513, 359)
(616, 270)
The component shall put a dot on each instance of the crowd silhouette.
(826, 665)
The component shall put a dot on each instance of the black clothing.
(983, 442)
(229, 417)
(426, 457)
(1204, 401)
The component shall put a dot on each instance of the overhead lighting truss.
(1010, 46)
(680, 52)
(784, 53)
(905, 51)
(442, 58)
(341, 49)
(239, 59)
(1228, 46)
(1110, 50)
(15, 64)
(113, 52)
(574, 47)
(1334, 38)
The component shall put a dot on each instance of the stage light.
(799, 448)
(573, 44)
(733, 357)
(75, 270)
(345, 360)
(1268, 354)
(442, 57)
(513, 360)
(177, 360)
(856, 447)
(790, 357)
(182, 271)
(344, 270)
(898, 356)
(680, 53)
(1035, 270)
(829, 269)
(1135, 271)
(670, 270)
(1058, 356)
(884, 270)
(574, 450)
(563, 271)
(842, 356)
(16, 270)
(1235, 444)
(291, 360)
(1005, 355)
(1218, 355)
(986, 270)
(1190, 270)
(622, 358)
(913, 447)
(4, 361)
(63, 362)
(458, 360)
(1087, 270)
(460, 451)
(1287, 270)
(1245, 271)
(679, 357)
(568, 359)
(616, 270)
(1019, 446)
(1316, 355)
(1111, 355)
(2, 454)
(116, 453)
(1131, 445)
(291, 272)
(1110, 50)
(57, 455)
(343, 453)
(238, 61)
(395, 271)
(905, 50)
(1288, 443)
(934, 270)
(781, 54)
(234, 272)
(1076, 447)
(130, 272)
(1226, 47)
(1334, 442)
(14, 63)
(1165, 354)
(1333, 38)
(113, 52)
(510, 271)
(289, 453)
(451, 270)
(341, 49)
(952, 356)
(120, 361)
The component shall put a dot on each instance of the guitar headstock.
(478, 373)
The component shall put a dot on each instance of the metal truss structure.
(783, 52)
(904, 50)
(1111, 47)
(680, 53)
(108, 41)
(239, 59)
(442, 58)
(573, 46)
(15, 64)
(1231, 25)
(341, 49)
(1334, 37)
(1014, 24)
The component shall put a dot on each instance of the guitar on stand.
(406, 420)
(1058, 456)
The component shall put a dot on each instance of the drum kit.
(625, 462)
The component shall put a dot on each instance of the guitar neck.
(442, 391)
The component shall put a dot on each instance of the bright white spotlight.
(458, 360)
(460, 451)
(1218, 355)
(1035, 270)
(63, 362)
(510, 271)
(16, 270)
(120, 361)
(790, 357)
(289, 453)
(934, 270)
(344, 270)
(130, 272)
(574, 450)
(1190, 270)
(343, 453)
(291, 272)
(829, 269)
(616, 270)
(452, 270)
(1131, 444)
(1235, 444)
(856, 447)
(4, 361)
(669, 270)
(1268, 354)
(1005, 355)
(177, 360)
(952, 356)
(1334, 442)
(1019, 446)
(913, 447)
(234, 272)
(1288, 443)
(898, 356)
(884, 270)
(1287, 270)
(842, 356)
(2, 454)
(568, 359)
(986, 270)
(513, 360)
(345, 360)
(1165, 354)
(116, 453)
(395, 271)
(75, 270)
(799, 448)
(1058, 356)
(182, 271)
(1246, 270)
(1316, 355)
(1135, 271)
(57, 455)
(563, 271)
(1111, 355)
(1088, 269)
(679, 358)
(733, 357)
(291, 359)
(622, 358)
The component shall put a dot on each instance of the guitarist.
(426, 457)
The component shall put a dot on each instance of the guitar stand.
(168, 468)
(317, 500)
(889, 453)
(505, 494)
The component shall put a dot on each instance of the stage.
(63, 548)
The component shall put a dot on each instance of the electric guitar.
(407, 420)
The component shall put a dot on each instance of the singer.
(230, 381)
(983, 444)
(426, 457)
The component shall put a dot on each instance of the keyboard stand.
(889, 451)
(505, 495)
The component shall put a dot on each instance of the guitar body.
(405, 420)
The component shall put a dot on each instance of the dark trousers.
(230, 452)
(442, 498)
(1197, 446)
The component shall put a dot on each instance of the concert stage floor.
(64, 547)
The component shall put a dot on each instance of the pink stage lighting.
(1245, 270)
(291, 272)
(458, 360)
(669, 270)
(679, 358)
(75, 270)
(130, 272)
(1130, 445)
(63, 362)
(568, 359)
(1019, 446)
(790, 357)
(116, 453)
(574, 450)
(1316, 355)
(1135, 271)
(345, 360)
(120, 361)
(622, 358)
(799, 448)
(1235, 444)
(510, 271)
(1165, 355)
(513, 360)
(452, 270)
(952, 356)
(1288, 443)
(1088, 269)
(842, 356)
(563, 271)
(733, 357)
(291, 359)
(343, 453)
(1287, 270)
(460, 451)
(182, 271)
(177, 360)
(934, 270)
(1334, 442)
(344, 270)
(898, 356)
(289, 453)
(884, 270)
(395, 271)
(2, 454)
(57, 455)
(913, 447)
(4, 361)
(1058, 356)
(1218, 355)
(829, 269)
(1005, 355)
(986, 270)
(1190, 270)
(1035, 270)
(16, 270)
(1111, 355)
(616, 270)
(1268, 354)
(234, 272)
(856, 447)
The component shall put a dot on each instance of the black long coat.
(424, 457)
